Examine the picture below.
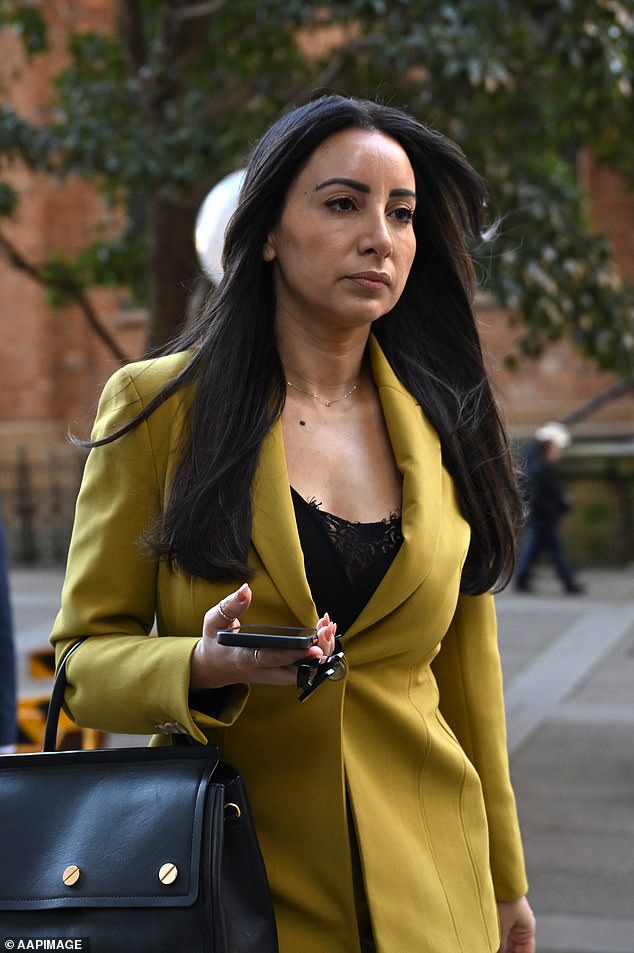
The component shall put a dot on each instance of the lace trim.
(365, 549)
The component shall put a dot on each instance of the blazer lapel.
(417, 452)
(274, 532)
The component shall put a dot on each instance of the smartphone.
(269, 636)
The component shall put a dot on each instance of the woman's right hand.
(214, 665)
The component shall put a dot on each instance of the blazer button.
(170, 728)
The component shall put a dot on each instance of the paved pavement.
(569, 675)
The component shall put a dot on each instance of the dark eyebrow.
(351, 183)
(403, 193)
(361, 187)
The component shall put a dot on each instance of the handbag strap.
(57, 700)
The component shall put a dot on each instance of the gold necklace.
(326, 403)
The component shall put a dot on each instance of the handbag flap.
(121, 828)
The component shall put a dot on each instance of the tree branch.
(195, 10)
(336, 63)
(70, 287)
(612, 393)
(131, 35)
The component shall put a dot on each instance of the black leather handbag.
(129, 850)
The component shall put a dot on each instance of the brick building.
(53, 366)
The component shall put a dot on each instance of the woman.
(327, 434)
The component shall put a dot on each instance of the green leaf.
(8, 200)
(156, 113)
(28, 23)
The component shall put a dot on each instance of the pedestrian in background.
(8, 721)
(547, 502)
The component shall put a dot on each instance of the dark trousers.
(542, 538)
(7, 654)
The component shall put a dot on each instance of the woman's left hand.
(517, 926)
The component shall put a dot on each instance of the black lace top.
(344, 561)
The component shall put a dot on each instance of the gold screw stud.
(168, 873)
(71, 875)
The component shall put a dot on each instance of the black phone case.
(278, 637)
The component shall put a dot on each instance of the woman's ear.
(268, 251)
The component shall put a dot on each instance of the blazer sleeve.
(469, 677)
(124, 679)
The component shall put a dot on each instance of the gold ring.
(229, 618)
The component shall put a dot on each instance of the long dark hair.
(429, 338)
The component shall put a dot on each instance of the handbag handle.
(57, 699)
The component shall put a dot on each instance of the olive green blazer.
(409, 749)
